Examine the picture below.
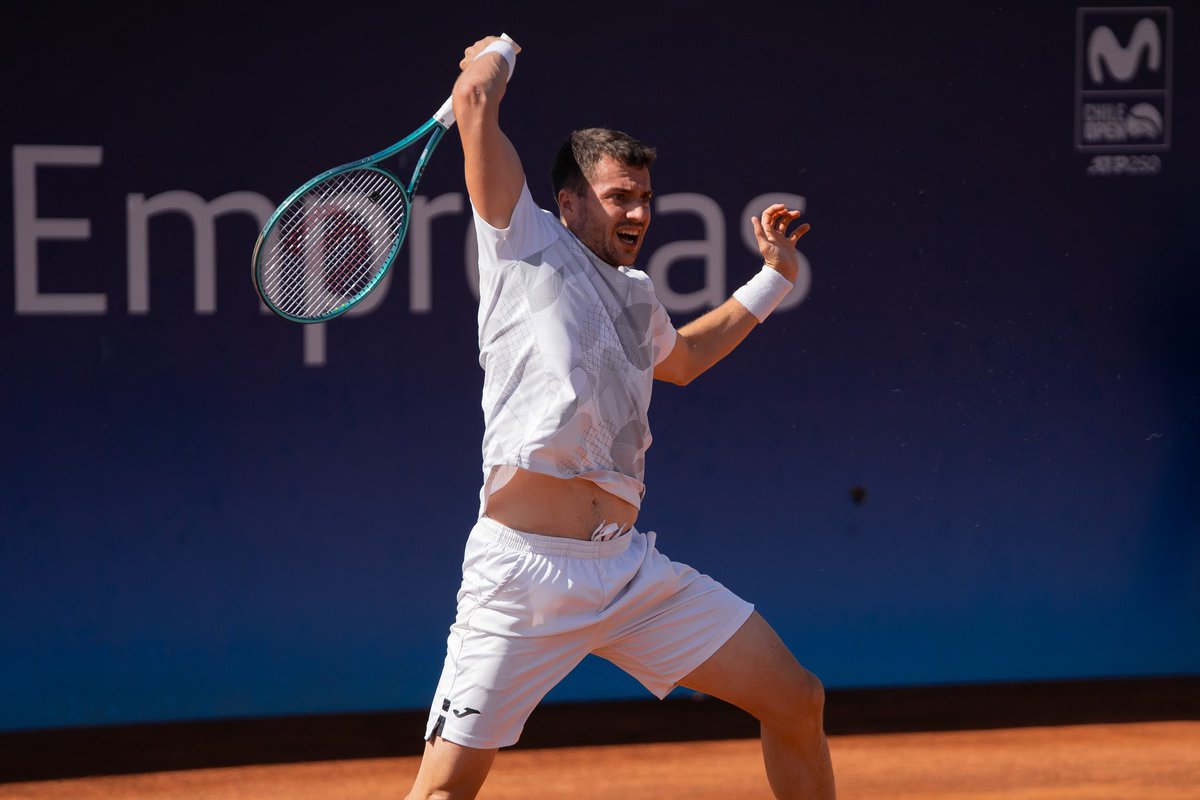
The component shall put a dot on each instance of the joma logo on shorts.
(466, 712)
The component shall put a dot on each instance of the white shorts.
(531, 607)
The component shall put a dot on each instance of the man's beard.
(595, 236)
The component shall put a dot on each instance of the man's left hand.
(777, 246)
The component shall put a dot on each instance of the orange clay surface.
(1143, 761)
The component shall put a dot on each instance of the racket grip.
(445, 114)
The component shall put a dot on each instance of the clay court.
(1140, 761)
(1135, 739)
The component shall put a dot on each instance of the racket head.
(328, 245)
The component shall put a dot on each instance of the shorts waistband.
(512, 539)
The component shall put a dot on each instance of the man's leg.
(755, 671)
(450, 771)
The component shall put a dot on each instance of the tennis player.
(571, 339)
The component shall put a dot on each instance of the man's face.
(613, 213)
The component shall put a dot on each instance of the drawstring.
(606, 531)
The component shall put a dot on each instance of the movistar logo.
(1105, 51)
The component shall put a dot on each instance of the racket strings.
(333, 242)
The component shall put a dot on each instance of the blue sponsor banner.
(965, 449)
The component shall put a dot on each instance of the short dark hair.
(576, 161)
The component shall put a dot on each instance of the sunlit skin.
(613, 213)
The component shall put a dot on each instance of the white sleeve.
(530, 230)
(662, 332)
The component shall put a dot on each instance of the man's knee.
(800, 704)
(816, 695)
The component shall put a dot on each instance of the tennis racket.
(334, 239)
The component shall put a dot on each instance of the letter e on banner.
(29, 229)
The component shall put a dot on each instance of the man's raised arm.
(493, 169)
(706, 340)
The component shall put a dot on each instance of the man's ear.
(566, 202)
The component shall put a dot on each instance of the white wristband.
(763, 292)
(505, 50)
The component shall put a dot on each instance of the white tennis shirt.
(568, 346)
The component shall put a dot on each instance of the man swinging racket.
(570, 340)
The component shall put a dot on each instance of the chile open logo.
(1123, 87)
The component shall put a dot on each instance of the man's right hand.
(472, 52)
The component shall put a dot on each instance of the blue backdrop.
(207, 511)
